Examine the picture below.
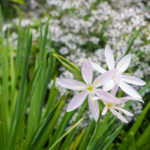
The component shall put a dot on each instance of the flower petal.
(114, 90)
(106, 97)
(105, 110)
(127, 98)
(124, 111)
(104, 78)
(118, 115)
(132, 80)
(87, 72)
(109, 85)
(109, 57)
(94, 107)
(97, 67)
(129, 90)
(124, 63)
(77, 101)
(71, 84)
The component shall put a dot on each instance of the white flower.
(119, 78)
(89, 88)
(116, 108)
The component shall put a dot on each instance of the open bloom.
(119, 79)
(88, 89)
(116, 108)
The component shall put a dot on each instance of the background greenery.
(32, 116)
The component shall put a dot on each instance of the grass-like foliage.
(30, 113)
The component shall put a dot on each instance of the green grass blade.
(144, 139)
(87, 135)
(51, 127)
(42, 129)
(16, 114)
(134, 129)
(74, 126)
(70, 66)
(131, 41)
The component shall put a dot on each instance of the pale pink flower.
(88, 89)
(119, 79)
(116, 107)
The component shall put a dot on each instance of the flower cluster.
(110, 80)
(76, 25)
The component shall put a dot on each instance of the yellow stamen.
(90, 87)
(109, 105)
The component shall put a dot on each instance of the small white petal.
(87, 72)
(105, 110)
(97, 67)
(118, 115)
(114, 90)
(109, 85)
(71, 84)
(109, 57)
(132, 80)
(104, 78)
(124, 63)
(129, 90)
(77, 101)
(106, 97)
(94, 107)
(127, 98)
(124, 111)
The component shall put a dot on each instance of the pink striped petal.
(124, 111)
(94, 107)
(129, 90)
(127, 98)
(109, 57)
(109, 85)
(71, 84)
(97, 67)
(106, 97)
(104, 78)
(132, 80)
(104, 110)
(77, 101)
(118, 115)
(87, 72)
(124, 63)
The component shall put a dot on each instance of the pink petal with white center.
(127, 98)
(77, 101)
(124, 111)
(97, 67)
(118, 115)
(132, 80)
(94, 107)
(114, 90)
(104, 78)
(71, 84)
(129, 90)
(106, 97)
(124, 63)
(109, 57)
(87, 72)
(105, 110)
(109, 85)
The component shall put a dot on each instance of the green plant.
(30, 112)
